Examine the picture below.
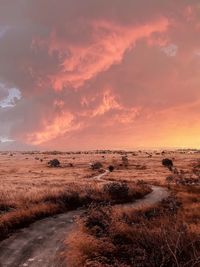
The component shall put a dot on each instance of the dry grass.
(166, 235)
(30, 190)
(190, 209)
(23, 213)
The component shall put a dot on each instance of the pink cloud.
(52, 129)
(109, 43)
(125, 70)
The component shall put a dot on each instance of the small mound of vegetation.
(96, 165)
(111, 168)
(167, 163)
(54, 163)
(117, 190)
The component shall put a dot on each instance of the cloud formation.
(100, 74)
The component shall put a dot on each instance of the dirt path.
(40, 244)
(158, 194)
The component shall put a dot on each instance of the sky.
(99, 74)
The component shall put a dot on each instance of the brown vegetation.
(29, 190)
(54, 163)
(166, 235)
(96, 165)
(21, 214)
(111, 168)
(167, 163)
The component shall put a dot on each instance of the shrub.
(141, 182)
(167, 163)
(170, 179)
(111, 168)
(54, 163)
(117, 190)
(97, 219)
(96, 165)
(149, 238)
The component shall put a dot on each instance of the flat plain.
(31, 190)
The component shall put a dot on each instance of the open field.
(31, 190)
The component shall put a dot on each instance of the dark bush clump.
(167, 163)
(96, 165)
(97, 219)
(54, 163)
(111, 168)
(71, 165)
(117, 190)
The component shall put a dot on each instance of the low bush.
(167, 163)
(54, 163)
(117, 190)
(14, 217)
(111, 168)
(96, 165)
(149, 238)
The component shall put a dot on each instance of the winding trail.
(40, 244)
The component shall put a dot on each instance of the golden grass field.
(26, 180)
(30, 190)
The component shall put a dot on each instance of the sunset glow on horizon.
(99, 74)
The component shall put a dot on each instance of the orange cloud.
(59, 103)
(52, 129)
(124, 70)
(108, 46)
(109, 102)
(127, 116)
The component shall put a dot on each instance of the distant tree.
(111, 168)
(167, 163)
(54, 163)
(96, 165)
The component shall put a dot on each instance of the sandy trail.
(158, 194)
(40, 244)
